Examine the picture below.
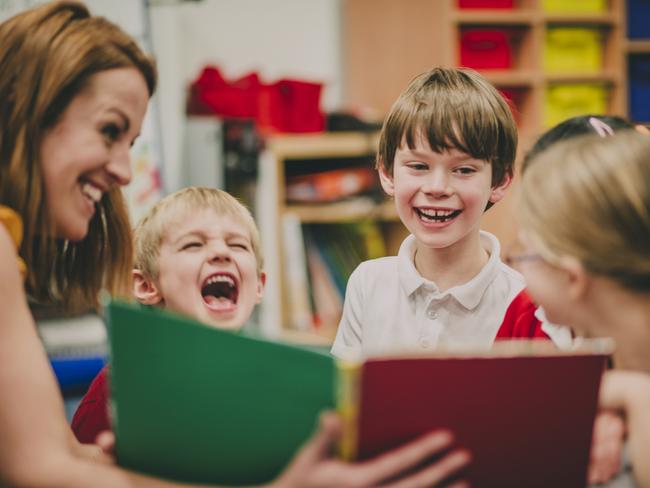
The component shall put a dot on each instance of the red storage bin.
(485, 49)
(211, 93)
(514, 98)
(486, 3)
(291, 106)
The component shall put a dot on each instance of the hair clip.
(601, 128)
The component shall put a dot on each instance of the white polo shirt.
(390, 307)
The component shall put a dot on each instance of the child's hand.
(100, 452)
(629, 392)
(314, 466)
(106, 442)
(606, 447)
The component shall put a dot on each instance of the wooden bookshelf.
(283, 151)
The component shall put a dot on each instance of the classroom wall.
(277, 38)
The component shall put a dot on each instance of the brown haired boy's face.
(440, 197)
(207, 269)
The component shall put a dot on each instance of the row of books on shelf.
(319, 259)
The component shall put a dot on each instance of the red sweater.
(520, 321)
(91, 416)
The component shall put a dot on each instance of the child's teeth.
(221, 278)
(92, 192)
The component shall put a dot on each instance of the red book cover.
(526, 418)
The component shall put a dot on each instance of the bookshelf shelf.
(494, 17)
(638, 46)
(304, 146)
(344, 211)
(609, 19)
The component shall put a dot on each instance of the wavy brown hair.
(48, 56)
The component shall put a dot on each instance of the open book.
(198, 404)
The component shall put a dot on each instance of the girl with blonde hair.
(585, 219)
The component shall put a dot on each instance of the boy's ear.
(498, 192)
(261, 282)
(144, 289)
(386, 181)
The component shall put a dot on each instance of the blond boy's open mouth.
(220, 292)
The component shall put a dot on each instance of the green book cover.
(198, 404)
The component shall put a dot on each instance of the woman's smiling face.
(86, 152)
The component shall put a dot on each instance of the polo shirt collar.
(468, 294)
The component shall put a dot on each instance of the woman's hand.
(315, 467)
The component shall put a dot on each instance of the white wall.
(277, 38)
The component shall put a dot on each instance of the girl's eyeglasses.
(514, 259)
(515, 255)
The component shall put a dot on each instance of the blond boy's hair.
(589, 198)
(452, 108)
(151, 229)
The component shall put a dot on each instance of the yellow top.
(13, 223)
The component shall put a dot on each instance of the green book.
(197, 404)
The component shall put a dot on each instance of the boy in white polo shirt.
(446, 154)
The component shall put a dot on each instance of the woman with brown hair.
(74, 90)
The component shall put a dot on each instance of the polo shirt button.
(424, 342)
(432, 315)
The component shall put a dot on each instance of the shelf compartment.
(569, 49)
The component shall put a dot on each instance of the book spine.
(347, 405)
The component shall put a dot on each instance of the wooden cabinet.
(388, 42)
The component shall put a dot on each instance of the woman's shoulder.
(11, 221)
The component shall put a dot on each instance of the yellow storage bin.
(575, 6)
(569, 100)
(573, 50)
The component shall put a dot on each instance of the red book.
(524, 409)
